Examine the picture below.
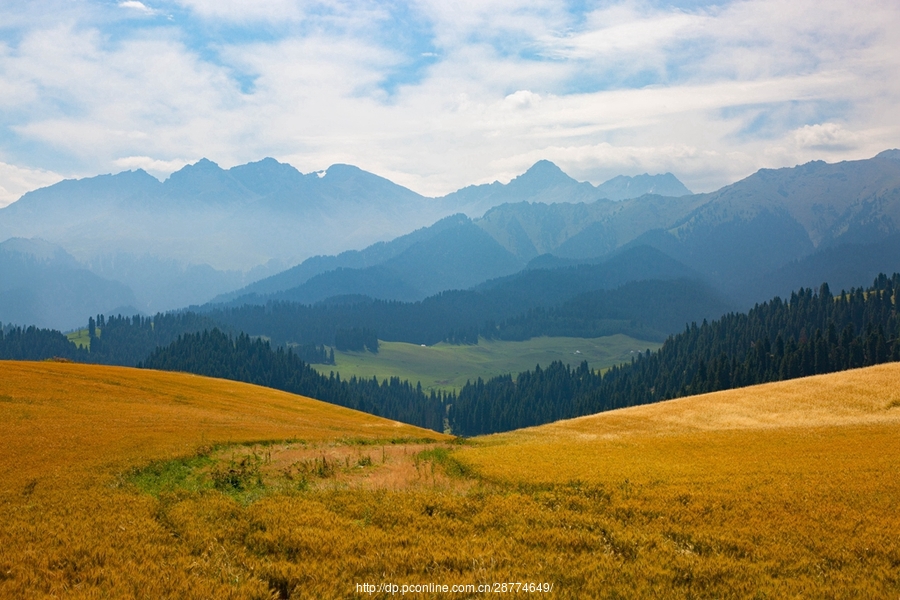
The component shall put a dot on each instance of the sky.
(439, 94)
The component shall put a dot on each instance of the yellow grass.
(787, 490)
(790, 489)
(69, 432)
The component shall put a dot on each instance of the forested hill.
(215, 354)
(622, 295)
(560, 302)
(809, 334)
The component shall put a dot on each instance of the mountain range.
(759, 237)
(206, 231)
(191, 237)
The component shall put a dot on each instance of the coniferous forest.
(33, 343)
(812, 332)
(645, 309)
(216, 354)
(809, 334)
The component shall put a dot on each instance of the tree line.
(33, 343)
(216, 354)
(648, 310)
(810, 333)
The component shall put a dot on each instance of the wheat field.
(120, 483)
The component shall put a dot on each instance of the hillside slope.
(780, 490)
(118, 417)
(112, 486)
(859, 397)
(72, 435)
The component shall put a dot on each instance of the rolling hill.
(156, 488)
(769, 491)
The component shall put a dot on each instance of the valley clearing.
(448, 367)
(123, 483)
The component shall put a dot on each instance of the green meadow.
(80, 338)
(447, 366)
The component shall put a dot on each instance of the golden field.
(120, 483)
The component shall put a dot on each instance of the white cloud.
(521, 99)
(710, 94)
(244, 10)
(137, 6)
(622, 30)
(161, 168)
(15, 181)
(825, 136)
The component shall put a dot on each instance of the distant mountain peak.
(344, 170)
(201, 167)
(623, 187)
(267, 164)
(893, 154)
(37, 248)
(203, 164)
(543, 173)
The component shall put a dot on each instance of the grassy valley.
(448, 366)
(80, 338)
(126, 483)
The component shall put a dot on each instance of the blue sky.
(436, 95)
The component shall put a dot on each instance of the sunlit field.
(448, 366)
(138, 484)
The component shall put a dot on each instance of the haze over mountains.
(198, 234)
(41, 284)
(765, 235)
(206, 231)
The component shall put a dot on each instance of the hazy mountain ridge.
(351, 259)
(623, 187)
(546, 183)
(206, 231)
(259, 208)
(452, 254)
(531, 229)
(740, 233)
(234, 219)
(745, 232)
(42, 285)
(841, 266)
(737, 234)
